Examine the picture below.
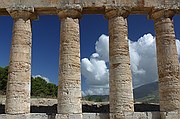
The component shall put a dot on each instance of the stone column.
(19, 75)
(121, 94)
(69, 89)
(167, 60)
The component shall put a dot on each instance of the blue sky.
(46, 39)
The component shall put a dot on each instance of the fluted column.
(69, 89)
(19, 75)
(121, 95)
(167, 60)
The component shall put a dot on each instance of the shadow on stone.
(146, 108)
(52, 110)
(2, 109)
(52, 116)
(95, 108)
(44, 109)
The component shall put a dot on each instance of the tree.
(52, 90)
(3, 79)
(39, 86)
(89, 98)
(98, 99)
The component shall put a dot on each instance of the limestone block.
(91, 3)
(167, 60)
(68, 116)
(20, 67)
(136, 115)
(20, 116)
(43, 102)
(142, 115)
(70, 1)
(170, 115)
(123, 2)
(127, 115)
(69, 89)
(7, 3)
(153, 115)
(121, 96)
(91, 6)
(39, 116)
(19, 75)
(95, 116)
(150, 3)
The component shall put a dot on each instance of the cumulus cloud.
(178, 47)
(45, 78)
(102, 48)
(143, 64)
(143, 60)
(95, 70)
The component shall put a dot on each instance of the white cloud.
(102, 47)
(45, 78)
(143, 60)
(178, 47)
(143, 64)
(97, 91)
(95, 70)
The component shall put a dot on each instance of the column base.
(117, 115)
(127, 115)
(69, 116)
(170, 115)
(95, 115)
(136, 115)
(18, 116)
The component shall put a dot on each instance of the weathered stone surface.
(142, 115)
(92, 6)
(69, 89)
(18, 86)
(167, 60)
(40, 116)
(36, 101)
(18, 116)
(95, 116)
(129, 115)
(69, 116)
(121, 96)
(170, 115)
(43, 102)
(69, 97)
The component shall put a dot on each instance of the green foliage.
(52, 90)
(147, 93)
(89, 98)
(95, 98)
(98, 99)
(151, 98)
(39, 86)
(3, 79)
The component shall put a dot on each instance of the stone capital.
(21, 11)
(110, 13)
(72, 11)
(161, 14)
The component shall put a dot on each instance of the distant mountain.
(147, 93)
(97, 98)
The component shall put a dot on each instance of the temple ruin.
(69, 92)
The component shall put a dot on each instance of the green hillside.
(41, 88)
(147, 93)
